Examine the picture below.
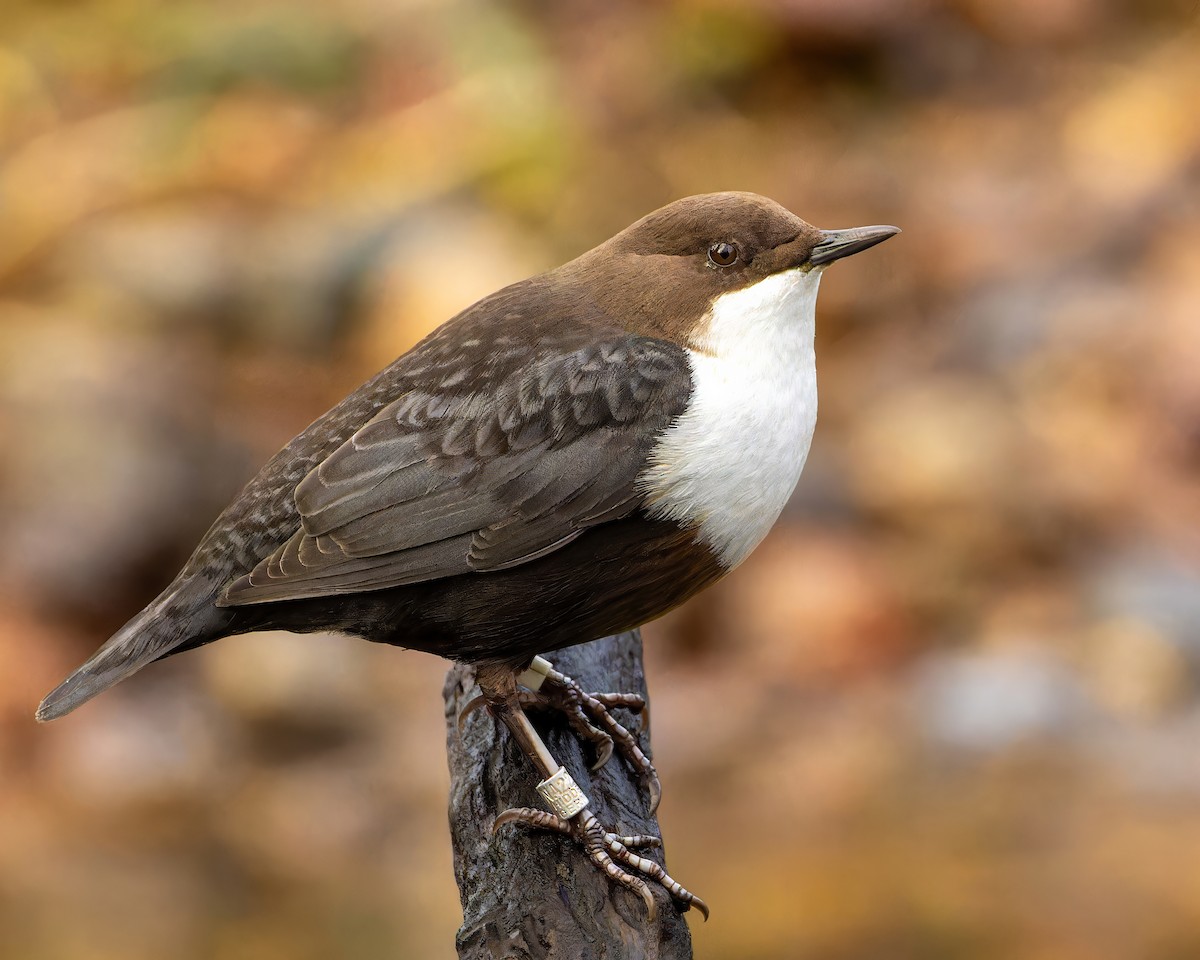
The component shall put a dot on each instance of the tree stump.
(534, 895)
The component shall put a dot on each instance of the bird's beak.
(836, 244)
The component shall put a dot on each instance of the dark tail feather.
(152, 634)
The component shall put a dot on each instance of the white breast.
(731, 461)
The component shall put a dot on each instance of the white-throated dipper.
(569, 458)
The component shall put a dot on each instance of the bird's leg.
(590, 717)
(610, 852)
(588, 714)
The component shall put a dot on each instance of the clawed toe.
(589, 715)
(474, 704)
(530, 817)
(611, 853)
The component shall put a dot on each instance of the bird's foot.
(589, 716)
(610, 852)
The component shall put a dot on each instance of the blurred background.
(949, 709)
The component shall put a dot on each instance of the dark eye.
(722, 254)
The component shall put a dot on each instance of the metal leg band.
(563, 795)
(535, 676)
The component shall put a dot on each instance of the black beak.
(836, 244)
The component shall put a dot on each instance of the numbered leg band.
(563, 795)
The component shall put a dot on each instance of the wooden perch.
(532, 894)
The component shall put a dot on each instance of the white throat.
(730, 462)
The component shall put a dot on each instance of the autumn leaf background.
(949, 709)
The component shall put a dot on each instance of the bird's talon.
(475, 703)
(648, 900)
(611, 853)
(530, 817)
(588, 715)
(604, 752)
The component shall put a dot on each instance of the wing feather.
(438, 484)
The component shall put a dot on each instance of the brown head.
(660, 275)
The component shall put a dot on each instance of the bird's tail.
(167, 623)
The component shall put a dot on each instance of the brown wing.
(441, 483)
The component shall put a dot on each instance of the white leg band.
(535, 676)
(563, 795)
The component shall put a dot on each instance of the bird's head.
(668, 269)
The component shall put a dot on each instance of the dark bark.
(534, 894)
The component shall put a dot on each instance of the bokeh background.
(949, 709)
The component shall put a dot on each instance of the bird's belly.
(615, 577)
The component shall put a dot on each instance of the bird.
(568, 458)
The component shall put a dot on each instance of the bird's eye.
(722, 254)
